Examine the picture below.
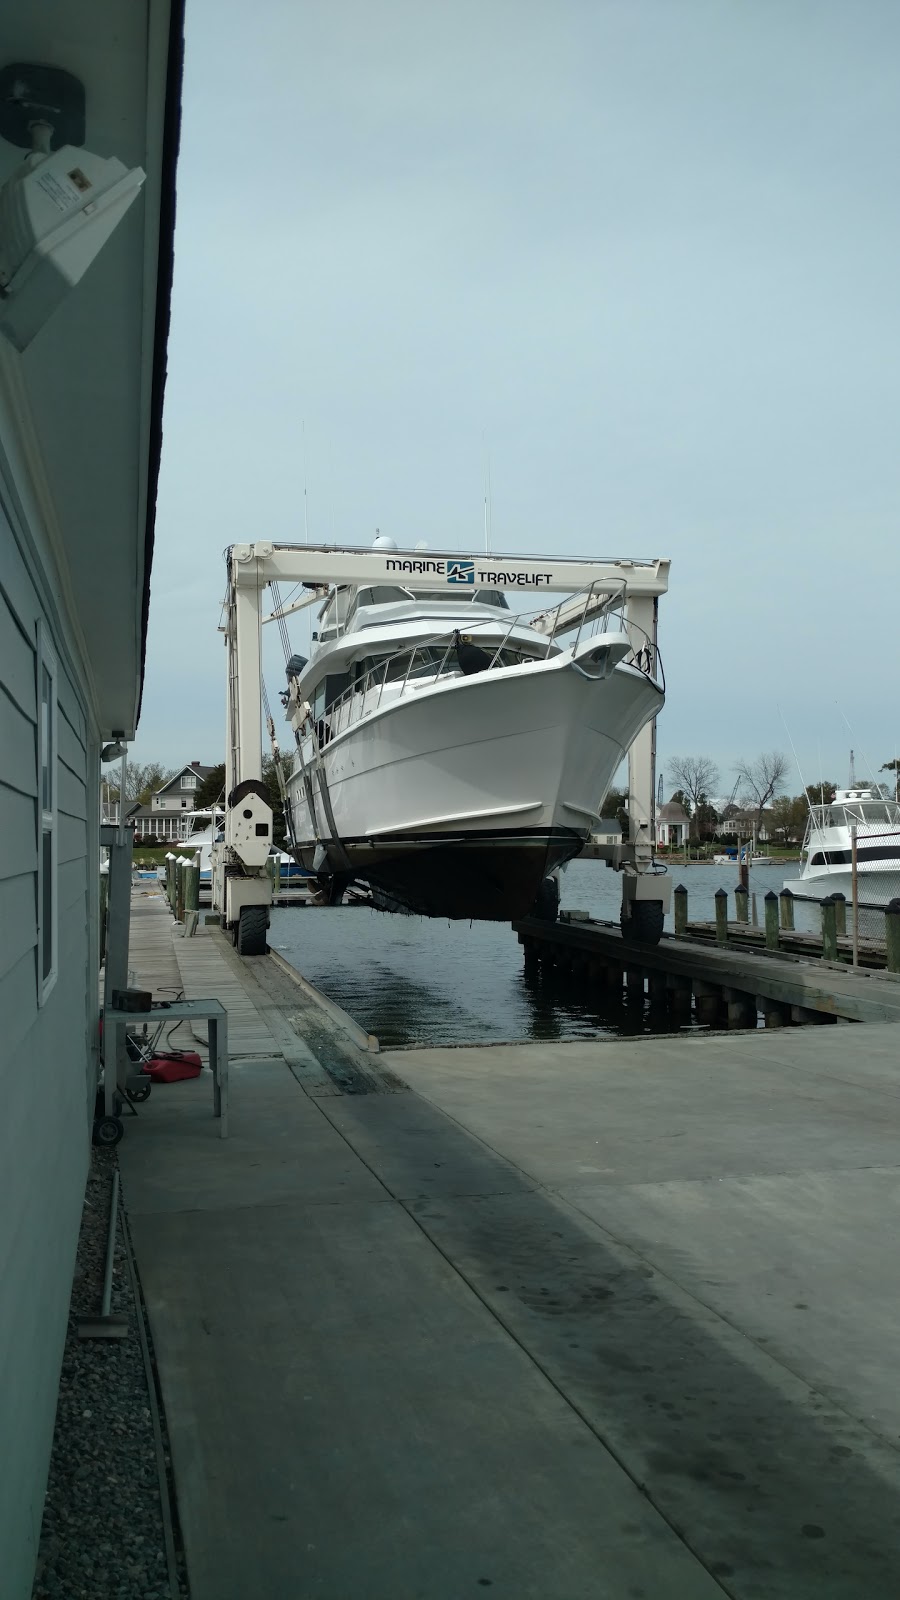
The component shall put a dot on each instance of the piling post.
(742, 903)
(721, 899)
(656, 985)
(771, 904)
(680, 908)
(829, 930)
(786, 907)
(179, 890)
(707, 1000)
(634, 984)
(741, 1008)
(892, 935)
(192, 886)
(840, 914)
(104, 910)
(774, 1015)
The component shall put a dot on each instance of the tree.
(762, 778)
(211, 790)
(821, 793)
(696, 776)
(788, 818)
(270, 779)
(142, 780)
(894, 767)
(616, 800)
(705, 820)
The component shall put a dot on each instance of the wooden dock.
(716, 985)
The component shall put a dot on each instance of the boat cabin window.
(381, 595)
(451, 595)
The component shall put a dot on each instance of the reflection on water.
(413, 980)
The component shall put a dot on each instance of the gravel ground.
(102, 1533)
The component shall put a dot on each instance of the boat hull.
(874, 887)
(458, 799)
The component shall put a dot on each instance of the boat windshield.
(841, 814)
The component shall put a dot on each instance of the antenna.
(305, 499)
(659, 791)
(796, 759)
(853, 778)
(488, 508)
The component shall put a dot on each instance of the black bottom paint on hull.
(481, 877)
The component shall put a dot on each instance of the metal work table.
(117, 1023)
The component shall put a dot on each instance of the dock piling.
(786, 908)
(892, 934)
(771, 908)
(840, 914)
(191, 882)
(680, 908)
(829, 929)
(721, 899)
(741, 903)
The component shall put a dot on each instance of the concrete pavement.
(609, 1319)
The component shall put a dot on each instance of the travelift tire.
(251, 931)
(645, 923)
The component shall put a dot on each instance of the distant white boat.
(747, 856)
(826, 857)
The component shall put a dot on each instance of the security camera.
(56, 213)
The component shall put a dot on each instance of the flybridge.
(320, 566)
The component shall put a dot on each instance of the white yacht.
(826, 857)
(453, 753)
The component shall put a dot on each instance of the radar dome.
(383, 542)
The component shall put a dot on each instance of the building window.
(183, 804)
(47, 931)
(189, 781)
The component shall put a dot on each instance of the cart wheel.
(141, 1094)
(108, 1131)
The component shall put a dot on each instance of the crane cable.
(270, 724)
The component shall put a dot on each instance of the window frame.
(188, 780)
(47, 816)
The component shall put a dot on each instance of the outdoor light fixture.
(60, 206)
(114, 751)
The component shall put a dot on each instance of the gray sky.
(648, 249)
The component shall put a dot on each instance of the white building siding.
(46, 1051)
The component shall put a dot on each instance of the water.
(413, 980)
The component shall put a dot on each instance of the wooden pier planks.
(163, 961)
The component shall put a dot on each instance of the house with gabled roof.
(166, 814)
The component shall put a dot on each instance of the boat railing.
(430, 659)
(867, 815)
